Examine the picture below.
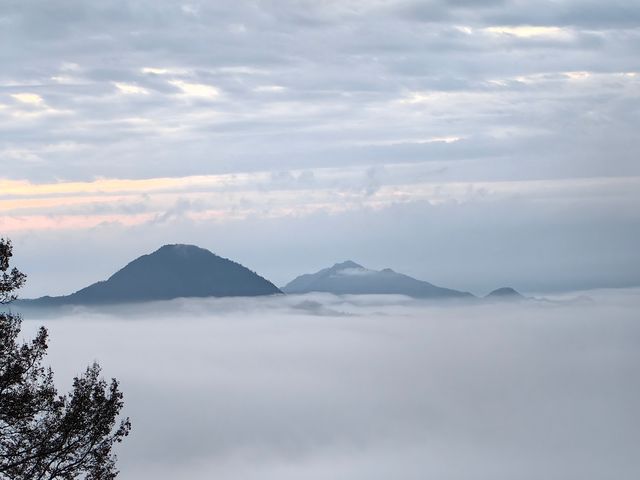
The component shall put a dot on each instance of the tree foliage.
(10, 280)
(44, 435)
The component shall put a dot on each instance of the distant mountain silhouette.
(350, 278)
(172, 271)
(505, 293)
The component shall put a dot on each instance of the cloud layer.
(367, 387)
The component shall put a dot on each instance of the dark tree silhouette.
(43, 435)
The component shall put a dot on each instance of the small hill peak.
(506, 293)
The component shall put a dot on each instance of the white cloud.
(199, 90)
(190, 9)
(464, 29)
(131, 89)
(530, 31)
(243, 70)
(237, 28)
(269, 89)
(29, 98)
(67, 80)
(578, 75)
(409, 141)
(422, 97)
(164, 71)
(447, 139)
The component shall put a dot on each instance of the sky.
(473, 144)
(366, 387)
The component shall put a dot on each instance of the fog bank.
(368, 387)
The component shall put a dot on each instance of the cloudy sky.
(473, 144)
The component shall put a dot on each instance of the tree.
(43, 435)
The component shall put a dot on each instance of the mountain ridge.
(172, 271)
(349, 277)
(184, 271)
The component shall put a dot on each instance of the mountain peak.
(350, 278)
(172, 271)
(345, 265)
(179, 248)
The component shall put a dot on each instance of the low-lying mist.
(367, 387)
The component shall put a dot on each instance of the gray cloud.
(340, 78)
(147, 89)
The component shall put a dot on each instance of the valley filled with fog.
(366, 387)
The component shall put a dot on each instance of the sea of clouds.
(367, 387)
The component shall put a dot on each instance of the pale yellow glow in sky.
(28, 98)
(78, 205)
(23, 188)
(196, 89)
(155, 71)
(578, 75)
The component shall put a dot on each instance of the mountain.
(505, 293)
(350, 278)
(172, 271)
